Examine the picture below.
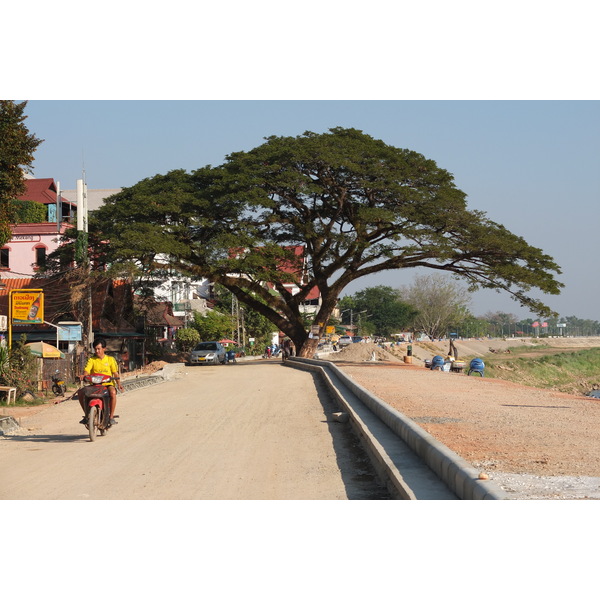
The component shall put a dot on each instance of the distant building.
(112, 312)
(31, 243)
(160, 324)
(95, 198)
(298, 269)
(184, 294)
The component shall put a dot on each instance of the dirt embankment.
(467, 348)
(535, 443)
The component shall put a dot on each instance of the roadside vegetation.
(573, 372)
(18, 369)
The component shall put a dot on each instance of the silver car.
(208, 353)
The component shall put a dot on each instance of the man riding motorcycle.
(102, 364)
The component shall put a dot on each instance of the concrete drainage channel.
(169, 371)
(141, 382)
(414, 465)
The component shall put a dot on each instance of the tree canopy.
(380, 308)
(17, 146)
(354, 204)
(213, 325)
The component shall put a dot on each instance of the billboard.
(27, 307)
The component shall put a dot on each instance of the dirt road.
(218, 432)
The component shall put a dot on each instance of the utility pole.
(81, 255)
(58, 207)
(243, 327)
(234, 314)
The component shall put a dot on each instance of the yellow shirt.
(103, 366)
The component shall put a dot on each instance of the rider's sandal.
(83, 421)
(112, 422)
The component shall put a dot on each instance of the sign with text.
(69, 331)
(26, 238)
(27, 307)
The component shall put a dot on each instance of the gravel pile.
(362, 353)
(521, 486)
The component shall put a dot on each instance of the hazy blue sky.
(532, 166)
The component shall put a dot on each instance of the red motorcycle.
(97, 402)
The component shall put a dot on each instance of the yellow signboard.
(27, 307)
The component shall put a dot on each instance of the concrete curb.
(171, 371)
(8, 424)
(458, 475)
(167, 373)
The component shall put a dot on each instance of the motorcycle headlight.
(97, 379)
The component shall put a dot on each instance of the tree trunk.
(308, 349)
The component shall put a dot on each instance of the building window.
(40, 256)
(4, 256)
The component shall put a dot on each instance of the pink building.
(31, 243)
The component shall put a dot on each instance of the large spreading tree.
(356, 206)
(17, 146)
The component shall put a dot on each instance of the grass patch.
(571, 372)
(35, 401)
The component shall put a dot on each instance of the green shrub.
(19, 368)
(186, 339)
(28, 211)
(212, 325)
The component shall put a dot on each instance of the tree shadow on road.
(48, 439)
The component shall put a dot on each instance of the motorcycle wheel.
(93, 422)
(56, 389)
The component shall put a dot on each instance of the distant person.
(453, 351)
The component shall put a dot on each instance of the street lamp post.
(346, 310)
(362, 312)
(353, 313)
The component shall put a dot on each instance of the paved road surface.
(248, 431)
